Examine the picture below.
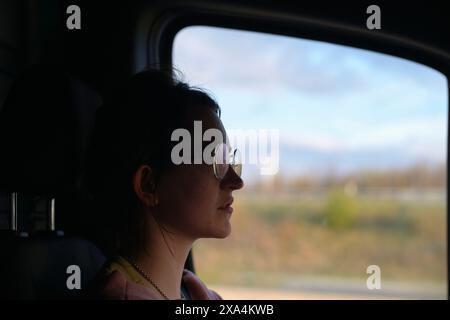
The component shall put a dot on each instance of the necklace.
(145, 275)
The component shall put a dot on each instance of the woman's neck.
(163, 260)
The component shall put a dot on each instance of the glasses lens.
(236, 162)
(221, 162)
(223, 159)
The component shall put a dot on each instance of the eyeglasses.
(224, 158)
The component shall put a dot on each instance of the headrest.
(45, 123)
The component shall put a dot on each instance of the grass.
(276, 238)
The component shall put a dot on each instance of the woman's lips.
(227, 207)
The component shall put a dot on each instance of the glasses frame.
(233, 160)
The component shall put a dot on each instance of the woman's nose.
(232, 180)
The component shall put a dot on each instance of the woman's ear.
(144, 186)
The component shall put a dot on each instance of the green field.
(276, 238)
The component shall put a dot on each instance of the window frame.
(157, 26)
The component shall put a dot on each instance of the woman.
(151, 210)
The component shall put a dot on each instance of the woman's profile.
(149, 210)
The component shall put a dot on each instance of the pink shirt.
(121, 281)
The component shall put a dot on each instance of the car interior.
(53, 80)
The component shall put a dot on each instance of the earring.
(156, 201)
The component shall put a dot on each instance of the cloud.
(337, 103)
(251, 61)
(426, 138)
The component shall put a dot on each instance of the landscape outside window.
(362, 168)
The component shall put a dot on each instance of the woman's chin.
(223, 232)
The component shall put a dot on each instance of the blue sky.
(342, 107)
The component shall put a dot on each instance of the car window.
(345, 195)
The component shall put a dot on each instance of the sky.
(335, 106)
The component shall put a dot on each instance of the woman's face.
(192, 201)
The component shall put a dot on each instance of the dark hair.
(134, 127)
